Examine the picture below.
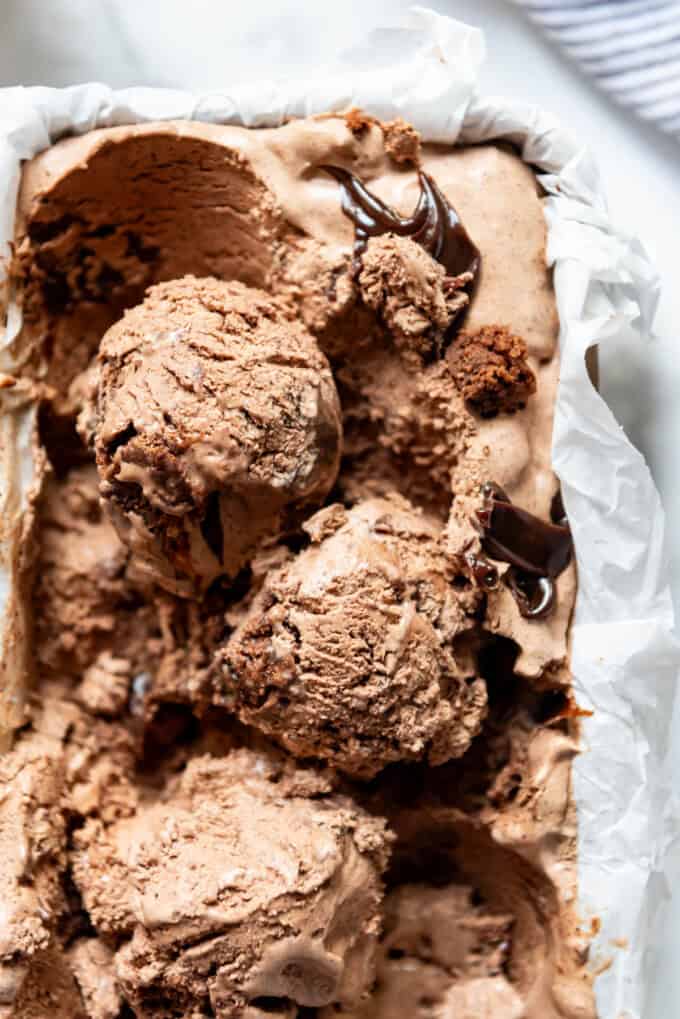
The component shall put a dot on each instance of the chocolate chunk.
(402, 141)
(491, 370)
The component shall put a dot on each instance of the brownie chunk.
(491, 370)
(402, 141)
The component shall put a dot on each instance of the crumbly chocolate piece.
(358, 121)
(491, 370)
(402, 141)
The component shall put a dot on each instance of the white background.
(210, 43)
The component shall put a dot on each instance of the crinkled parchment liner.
(625, 659)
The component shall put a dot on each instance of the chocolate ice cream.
(301, 731)
(411, 292)
(443, 955)
(49, 991)
(217, 423)
(82, 597)
(228, 892)
(33, 855)
(64, 765)
(348, 653)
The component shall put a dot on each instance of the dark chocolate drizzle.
(484, 572)
(537, 551)
(435, 224)
(557, 512)
(535, 596)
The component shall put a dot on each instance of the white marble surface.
(208, 43)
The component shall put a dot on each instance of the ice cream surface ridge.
(300, 729)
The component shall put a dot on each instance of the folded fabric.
(631, 48)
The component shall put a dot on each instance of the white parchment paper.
(625, 659)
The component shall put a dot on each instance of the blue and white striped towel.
(631, 48)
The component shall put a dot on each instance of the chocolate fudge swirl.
(535, 596)
(537, 551)
(484, 573)
(435, 224)
(557, 512)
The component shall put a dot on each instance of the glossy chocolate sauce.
(435, 224)
(535, 596)
(536, 550)
(484, 573)
(557, 511)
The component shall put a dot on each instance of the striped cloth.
(631, 48)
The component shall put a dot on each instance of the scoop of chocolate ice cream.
(229, 892)
(217, 423)
(347, 653)
(412, 294)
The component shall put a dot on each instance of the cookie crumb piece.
(491, 370)
(358, 121)
(402, 141)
